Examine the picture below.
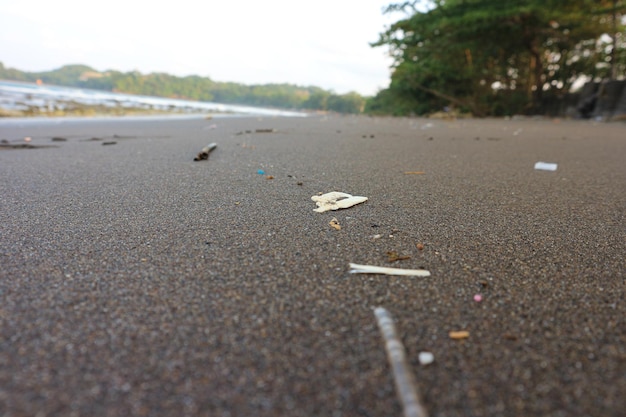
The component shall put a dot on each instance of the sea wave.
(20, 96)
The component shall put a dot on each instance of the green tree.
(485, 55)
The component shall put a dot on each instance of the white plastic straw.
(404, 380)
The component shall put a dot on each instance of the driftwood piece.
(204, 152)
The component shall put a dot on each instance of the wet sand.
(137, 282)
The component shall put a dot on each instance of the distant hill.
(285, 96)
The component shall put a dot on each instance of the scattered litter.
(299, 183)
(426, 358)
(260, 172)
(27, 139)
(419, 246)
(427, 126)
(545, 166)
(204, 152)
(458, 335)
(269, 177)
(478, 298)
(393, 256)
(377, 236)
(370, 269)
(518, 131)
(414, 173)
(334, 223)
(213, 126)
(58, 139)
(509, 336)
(112, 142)
(265, 130)
(483, 283)
(336, 200)
(405, 381)
(22, 146)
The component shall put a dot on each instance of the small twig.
(204, 153)
(405, 382)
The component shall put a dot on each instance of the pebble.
(426, 358)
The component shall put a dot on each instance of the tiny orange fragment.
(458, 335)
(335, 224)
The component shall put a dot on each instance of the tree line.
(485, 57)
(285, 96)
(496, 57)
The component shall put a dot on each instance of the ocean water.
(18, 95)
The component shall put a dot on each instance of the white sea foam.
(18, 95)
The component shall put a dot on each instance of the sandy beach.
(137, 282)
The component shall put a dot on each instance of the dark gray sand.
(137, 282)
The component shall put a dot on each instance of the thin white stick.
(370, 269)
(405, 382)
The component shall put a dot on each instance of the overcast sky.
(323, 43)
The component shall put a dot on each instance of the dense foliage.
(495, 57)
(194, 88)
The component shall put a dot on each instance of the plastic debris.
(334, 223)
(478, 298)
(260, 172)
(419, 246)
(426, 358)
(269, 177)
(403, 377)
(336, 200)
(204, 152)
(458, 335)
(370, 269)
(545, 166)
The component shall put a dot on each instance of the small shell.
(335, 200)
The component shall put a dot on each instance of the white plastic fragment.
(336, 200)
(370, 269)
(426, 358)
(545, 166)
(402, 375)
